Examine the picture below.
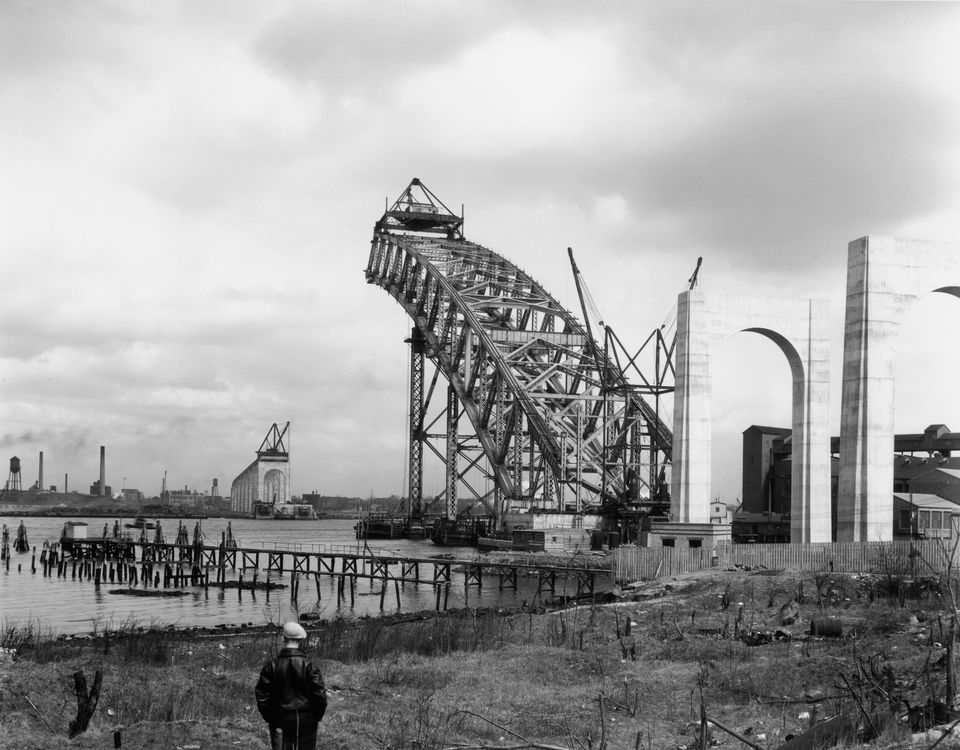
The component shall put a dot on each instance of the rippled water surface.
(63, 605)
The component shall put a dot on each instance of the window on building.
(696, 543)
(905, 520)
(923, 517)
(669, 542)
(936, 519)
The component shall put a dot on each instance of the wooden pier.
(178, 565)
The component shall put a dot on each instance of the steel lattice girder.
(497, 335)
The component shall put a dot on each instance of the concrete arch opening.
(799, 327)
(275, 486)
(925, 360)
(751, 381)
(885, 278)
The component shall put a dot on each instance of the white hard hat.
(293, 632)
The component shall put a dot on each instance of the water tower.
(13, 481)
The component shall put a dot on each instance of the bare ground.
(629, 674)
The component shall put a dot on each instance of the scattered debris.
(789, 612)
(826, 627)
(763, 637)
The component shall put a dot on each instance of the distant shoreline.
(37, 512)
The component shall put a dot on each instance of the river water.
(63, 605)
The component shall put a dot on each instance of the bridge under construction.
(526, 407)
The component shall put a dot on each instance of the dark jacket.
(290, 689)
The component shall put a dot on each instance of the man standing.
(290, 694)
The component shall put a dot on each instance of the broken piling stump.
(86, 701)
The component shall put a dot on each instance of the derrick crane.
(616, 363)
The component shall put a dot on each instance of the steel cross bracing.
(531, 405)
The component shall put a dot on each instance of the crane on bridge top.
(419, 210)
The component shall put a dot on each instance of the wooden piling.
(396, 588)
(383, 592)
(86, 701)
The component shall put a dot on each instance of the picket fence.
(902, 557)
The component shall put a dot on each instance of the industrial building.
(926, 483)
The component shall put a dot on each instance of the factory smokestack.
(66, 487)
(103, 470)
(40, 478)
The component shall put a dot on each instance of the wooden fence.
(902, 557)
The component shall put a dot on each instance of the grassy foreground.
(623, 675)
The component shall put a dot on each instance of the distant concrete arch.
(799, 327)
(267, 479)
(885, 277)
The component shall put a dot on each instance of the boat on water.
(263, 510)
(381, 526)
(295, 512)
(461, 532)
(141, 523)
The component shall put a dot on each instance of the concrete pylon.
(799, 327)
(885, 277)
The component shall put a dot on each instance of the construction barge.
(559, 533)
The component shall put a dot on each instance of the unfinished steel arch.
(885, 277)
(799, 327)
(531, 405)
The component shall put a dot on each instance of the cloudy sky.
(188, 190)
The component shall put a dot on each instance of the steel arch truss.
(531, 405)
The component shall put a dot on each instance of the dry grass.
(628, 674)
